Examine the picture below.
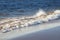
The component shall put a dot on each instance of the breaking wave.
(40, 17)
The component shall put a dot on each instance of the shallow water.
(50, 34)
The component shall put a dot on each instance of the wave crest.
(42, 16)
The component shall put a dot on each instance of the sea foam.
(40, 17)
(45, 17)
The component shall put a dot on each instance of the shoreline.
(28, 30)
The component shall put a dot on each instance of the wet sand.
(50, 34)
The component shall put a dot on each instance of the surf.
(40, 17)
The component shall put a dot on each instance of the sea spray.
(44, 19)
(40, 12)
(41, 20)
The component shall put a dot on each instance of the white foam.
(40, 12)
(57, 11)
(53, 16)
(37, 18)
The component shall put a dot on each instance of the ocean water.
(33, 8)
(15, 8)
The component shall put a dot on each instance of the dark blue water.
(19, 7)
